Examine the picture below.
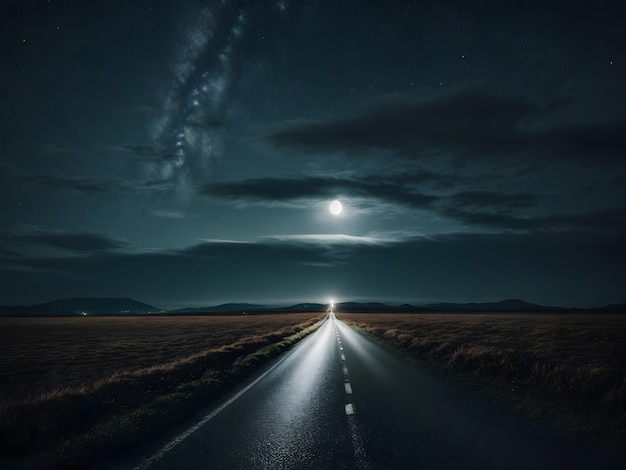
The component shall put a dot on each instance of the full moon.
(335, 207)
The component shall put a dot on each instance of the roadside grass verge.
(119, 415)
(565, 370)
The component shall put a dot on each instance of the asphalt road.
(338, 400)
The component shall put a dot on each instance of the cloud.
(281, 190)
(462, 118)
(465, 118)
(269, 254)
(82, 242)
(334, 249)
(168, 214)
(55, 150)
(310, 249)
(327, 239)
(91, 186)
(145, 152)
(493, 199)
(80, 185)
(466, 123)
(613, 220)
(592, 143)
(205, 122)
(540, 267)
(485, 209)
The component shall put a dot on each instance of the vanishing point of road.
(339, 401)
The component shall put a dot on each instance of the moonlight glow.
(335, 208)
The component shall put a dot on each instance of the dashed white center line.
(357, 443)
(349, 408)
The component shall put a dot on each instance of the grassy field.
(568, 370)
(77, 390)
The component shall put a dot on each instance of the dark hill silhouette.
(614, 308)
(254, 308)
(223, 308)
(304, 307)
(126, 306)
(509, 305)
(102, 306)
(504, 306)
(366, 307)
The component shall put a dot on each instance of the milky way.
(191, 126)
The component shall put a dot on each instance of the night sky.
(186, 153)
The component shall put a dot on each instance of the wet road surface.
(339, 401)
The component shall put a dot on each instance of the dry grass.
(568, 369)
(41, 355)
(110, 383)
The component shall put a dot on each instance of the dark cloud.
(206, 122)
(593, 143)
(154, 185)
(9, 254)
(90, 186)
(493, 199)
(465, 124)
(465, 118)
(55, 150)
(330, 249)
(271, 190)
(612, 220)
(222, 252)
(145, 152)
(72, 241)
(80, 185)
(478, 209)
